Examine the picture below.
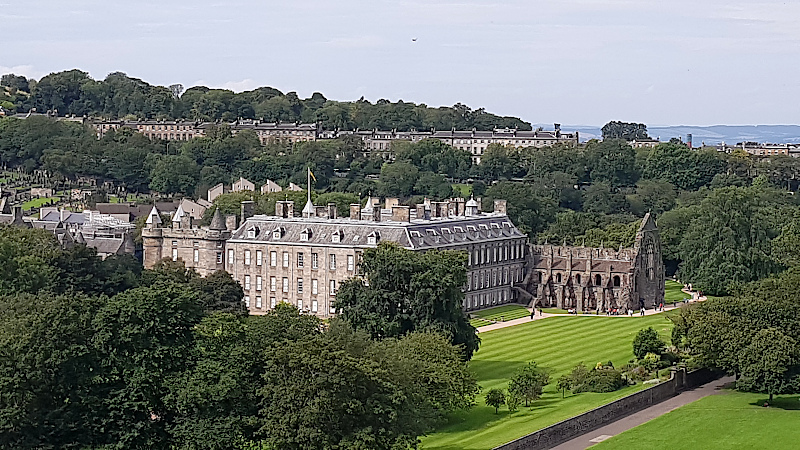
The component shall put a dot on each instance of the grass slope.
(673, 292)
(557, 343)
(724, 421)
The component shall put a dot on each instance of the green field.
(38, 202)
(724, 421)
(463, 189)
(557, 343)
(554, 311)
(673, 293)
(499, 314)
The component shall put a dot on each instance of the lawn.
(502, 313)
(463, 189)
(673, 293)
(38, 202)
(557, 343)
(724, 421)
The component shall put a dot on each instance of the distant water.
(711, 135)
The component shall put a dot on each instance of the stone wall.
(563, 431)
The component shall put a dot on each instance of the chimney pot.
(355, 211)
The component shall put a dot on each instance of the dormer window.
(337, 236)
(471, 228)
(373, 238)
(252, 232)
(278, 233)
(305, 234)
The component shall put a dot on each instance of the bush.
(602, 380)
(647, 341)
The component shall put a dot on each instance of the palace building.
(303, 259)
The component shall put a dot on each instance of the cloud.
(27, 70)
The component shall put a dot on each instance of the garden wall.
(563, 431)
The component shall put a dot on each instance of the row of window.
(285, 259)
(195, 256)
(481, 279)
(273, 285)
(488, 299)
(257, 303)
(488, 254)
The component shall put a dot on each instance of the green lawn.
(554, 311)
(38, 202)
(673, 293)
(505, 312)
(724, 421)
(557, 343)
(463, 189)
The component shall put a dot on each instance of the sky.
(581, 62)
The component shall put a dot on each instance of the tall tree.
(404, 291)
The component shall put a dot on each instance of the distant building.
(644, 143)
(270, 186)
(243, 185)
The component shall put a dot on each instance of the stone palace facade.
(303, 259)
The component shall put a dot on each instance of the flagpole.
(309, 184)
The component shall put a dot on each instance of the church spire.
(308, 210)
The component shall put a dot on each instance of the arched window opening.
(616, 281)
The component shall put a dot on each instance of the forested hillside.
(120, 96)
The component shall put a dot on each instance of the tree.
(173, 174)
(768, 362)
(530, 211)
(398, 179)
(528, 382)
(729, 240)
(219, 292)
(496, 398)
(681, 166)
(647, 341)
(404, 291)
(624, 130)
(564, 384)
(611, 161)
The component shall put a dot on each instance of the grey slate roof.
(417, 234)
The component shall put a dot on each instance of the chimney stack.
(500, 206)
(355, 211)
(284, 209)
(186, 222)
(320, 211)
(401, 213)
(248, 209)
(420, 209)
(391, 202)
(332, 213)
(376, 213)
(230, 222)
(480, 205)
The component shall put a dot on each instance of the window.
(332, 261)
(247, 301)
(259, 282)
(578, 278)
(285, 284)
(373, 238)
(314, 287)
(273, 284)
(285, 259)
(598, 280)
(300, 305)
(247, 282)
(259, 257)
(558, 278)
(616, 281)
(174, 254)
(230, 256)
(299, 285)
(272, 302)
(332, 287)
(258, 302)
(174, 243)
(273, 259)
(196, 255)
(313, 306)
(276, 234)
(351, 263)
(219, 257)
(247, 257)
(300, 260)
(314, 261)
(336, 237)
(305, 234)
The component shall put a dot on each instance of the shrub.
(602, 380)
(647, 341)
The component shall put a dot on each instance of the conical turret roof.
(217, 222)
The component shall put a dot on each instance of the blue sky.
(569, 61)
